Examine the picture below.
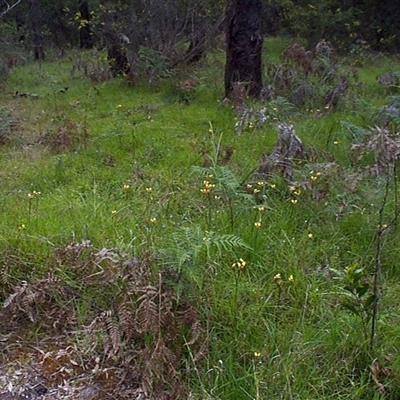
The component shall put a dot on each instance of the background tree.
(164, 35)
(85, 32)
(378, 24)
(244, 46)
(36, 26)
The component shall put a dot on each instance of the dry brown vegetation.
(136, 344)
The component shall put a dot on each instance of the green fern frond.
(228, 243)
(189, 242)
(224, 179)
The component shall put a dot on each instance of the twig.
(9, 8)
(378, 265)
(377, 269)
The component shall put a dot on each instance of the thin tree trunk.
(36, 26)
(85, 32)
(244, 46)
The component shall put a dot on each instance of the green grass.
(128, 175)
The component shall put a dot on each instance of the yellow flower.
(257, 355)
(34, 194)
(149, 189)
(119, 105)
(208, 186)
(113, 212)
(21, 227)
(153, 220)
(272, 186)
(293, 201)
(291, 279)
(241, 264)
(126, 187)
(278, 279)
(258, 224)
(314, 178)
(310, 235)
(336, 142)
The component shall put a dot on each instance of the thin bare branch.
(9, 7)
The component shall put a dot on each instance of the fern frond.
(147, 311)
(113, 331)
(126, 319)
(187, 243)
(228, 243)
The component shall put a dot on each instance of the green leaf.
(357, 274)
(369, 301)
(349, 289)
(351, 308)
(361, 290)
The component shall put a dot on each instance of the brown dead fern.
(288, 149)
(385, 148)
(39, 302)
(299, 56)
(135, 332)
(149, 324)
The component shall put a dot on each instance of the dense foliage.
(166, 27)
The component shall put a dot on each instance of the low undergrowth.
(161, 243)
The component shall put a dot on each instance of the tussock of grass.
(112, 196)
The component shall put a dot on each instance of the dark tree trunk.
(197, 46)
(244, 46)
(85, 33)
(117, 53)
(118, 59)
(36, 26)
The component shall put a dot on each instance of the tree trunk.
(197, 46)
(85, 32)
(36, 26)
(244, 46)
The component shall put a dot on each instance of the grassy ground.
(138, 253)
